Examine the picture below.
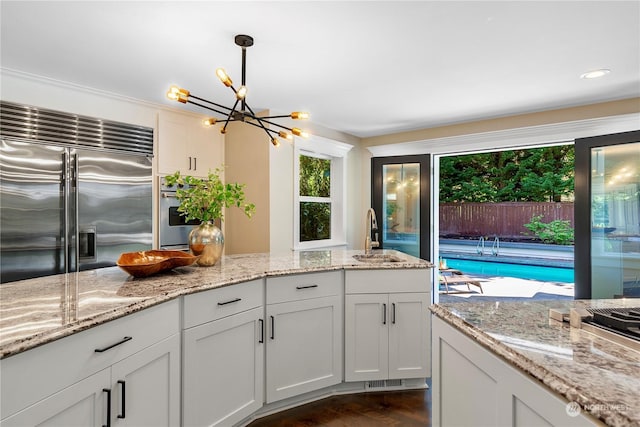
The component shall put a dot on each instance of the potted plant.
(203, 199)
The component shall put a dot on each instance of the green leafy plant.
(203, 199)
(558, 232)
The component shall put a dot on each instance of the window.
(320, 210)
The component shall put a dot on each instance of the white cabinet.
(146, 386)
(83, 404)
(186, 145)
(304, 333)
(223, 352)
(473, 387)
(387, 325)
(129, 367)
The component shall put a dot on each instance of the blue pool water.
(535, 272)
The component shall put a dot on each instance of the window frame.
(336, 152)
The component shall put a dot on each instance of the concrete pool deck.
(508, 288)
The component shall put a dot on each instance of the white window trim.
(336, 151)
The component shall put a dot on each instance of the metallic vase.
(207, 242)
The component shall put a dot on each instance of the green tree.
(534, 175)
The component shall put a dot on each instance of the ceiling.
(366, 68)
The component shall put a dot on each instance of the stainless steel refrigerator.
(75, 192)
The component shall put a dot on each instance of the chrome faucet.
(370, 225)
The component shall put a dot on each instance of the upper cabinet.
(188, 146)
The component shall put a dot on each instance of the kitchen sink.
(377, 258)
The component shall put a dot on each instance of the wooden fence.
(505, 220)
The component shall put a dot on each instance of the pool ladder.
(495, 247)
(480, 246)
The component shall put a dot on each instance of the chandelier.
(242, 112)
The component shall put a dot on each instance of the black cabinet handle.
(108, 391)
(261, 340)
(230, 301)
(195, 163)
(122, 341)
(273, 324)
(123, 398)
(189, 162)
(393, 313)
(306, 287)
(384, 314)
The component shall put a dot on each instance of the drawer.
(203, 307)
(387, 281)
(41, 371)
(304, 286)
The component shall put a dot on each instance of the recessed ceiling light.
(595, 73)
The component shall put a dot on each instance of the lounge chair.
(455, 277)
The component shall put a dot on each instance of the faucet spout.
(371, 225)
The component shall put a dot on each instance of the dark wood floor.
(393, 408)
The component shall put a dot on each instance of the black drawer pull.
(306, 287)
(122, 341)
(230, 301)
(108, 391)
(273, 326)
(261, 340)
(123, 398)
(384, 314)
(393, 311)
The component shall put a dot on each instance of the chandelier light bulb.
(285, 135)
(242, 92)
(275, 142)
(176, 93)
(300, 115)
(299, 132)
(224, 77)
(210, 121)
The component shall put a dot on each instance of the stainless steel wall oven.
(173, 230)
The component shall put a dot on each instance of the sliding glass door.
(608, 238)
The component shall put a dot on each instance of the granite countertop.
(37, 311)
(601, 376)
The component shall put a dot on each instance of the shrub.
(558, 232)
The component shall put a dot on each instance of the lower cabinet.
(223, 354)
(146, 387)
(387, 325)
(140, 390)
(473, 387)
(386, 336)
(304, 333)
(223, 370)
(82, 404)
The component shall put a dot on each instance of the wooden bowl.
(146, 263)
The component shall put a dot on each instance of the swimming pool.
(535, 272)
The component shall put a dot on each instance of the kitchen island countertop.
(37, 311)
(601, 376)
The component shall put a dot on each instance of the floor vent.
(385, 384)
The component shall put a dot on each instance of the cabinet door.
(409, 337)
(172, 141)
(205, 149)
(304, 350)
(186, 145)
(82, 404)
(223, 370)
(146, 386)
(366, 337)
